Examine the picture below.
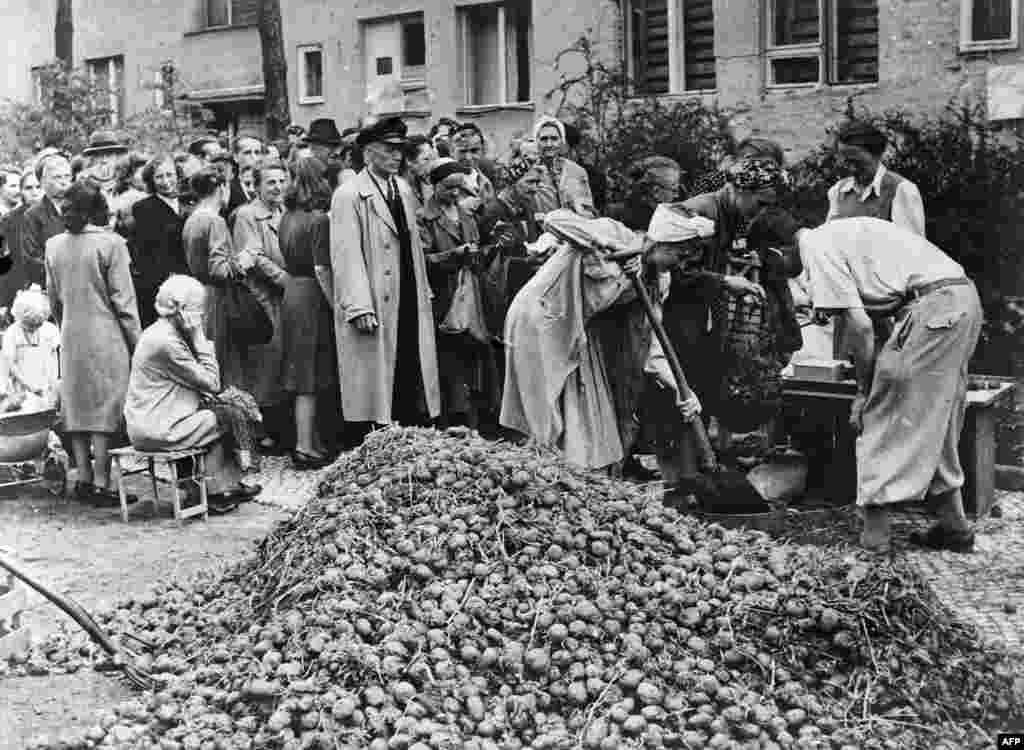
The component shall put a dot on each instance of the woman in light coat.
(365, 257)
(256, 233)
(174, 371)
(89, 282)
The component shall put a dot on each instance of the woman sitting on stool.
(174, 374)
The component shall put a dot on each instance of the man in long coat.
(387, 356)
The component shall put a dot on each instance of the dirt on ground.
(92, 556)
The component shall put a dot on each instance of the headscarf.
(517, 168)
(548, 121)
(756, 174)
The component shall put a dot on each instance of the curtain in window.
(518, 28)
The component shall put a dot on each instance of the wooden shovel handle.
(705, 453)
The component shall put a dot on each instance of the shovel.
(717, 489)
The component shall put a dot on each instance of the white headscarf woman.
(565, 185)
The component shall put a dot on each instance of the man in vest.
(869, 189)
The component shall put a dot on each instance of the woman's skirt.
(307, 338)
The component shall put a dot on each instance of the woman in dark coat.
(451, 240)
(156, 238)
(12, 229)
(307, 333)
(508, 222)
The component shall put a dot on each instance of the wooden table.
(977, 442)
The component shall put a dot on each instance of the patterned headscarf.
(756, 174)
(517, 168)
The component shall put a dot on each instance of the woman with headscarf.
(565, 185)
(696, 307)
(451, 244)
(556, 390)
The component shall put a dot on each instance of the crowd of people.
(256, 298)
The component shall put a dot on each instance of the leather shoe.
(243, 493)
(939, 538)
(304, 461)
(219, 505)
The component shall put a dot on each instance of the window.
(311, 74)
(107, 76)
(414, 50)
(395, 64)
(654, 63)
(811, 42)
(495, 52)
(988, 24)
(231, 13)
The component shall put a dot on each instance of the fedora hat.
(104, 142)
(323, 131)
(388, 130)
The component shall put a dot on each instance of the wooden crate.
(14, 636)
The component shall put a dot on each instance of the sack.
(247, 322)
(466, 315)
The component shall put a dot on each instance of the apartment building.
(786, 67)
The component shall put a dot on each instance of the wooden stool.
(197, 457)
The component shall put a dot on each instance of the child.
(30, 347)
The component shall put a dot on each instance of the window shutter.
(244, 12)
(857, 41)
(699, 40)
(650, 46)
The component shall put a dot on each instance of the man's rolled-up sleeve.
(833, 286)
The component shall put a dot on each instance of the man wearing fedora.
(323, 139)
(384, 318)
(101, 159)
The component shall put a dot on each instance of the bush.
(73, 106)
(617, 128)
(972, 183)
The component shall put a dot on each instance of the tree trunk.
(64, 34)
(275, 69)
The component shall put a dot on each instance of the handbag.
(247, 322)
(466, 314)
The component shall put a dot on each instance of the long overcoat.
(88, 278)
(365, 255)
(256, 228)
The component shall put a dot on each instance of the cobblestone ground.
(987, 587)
